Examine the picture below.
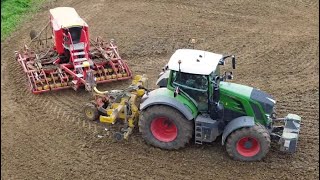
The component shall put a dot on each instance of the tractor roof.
(194, 61)
(66, 17)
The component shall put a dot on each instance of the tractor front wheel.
(249, 144)
(91, 112)
(165, 127)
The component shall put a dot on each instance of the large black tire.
(91, 112)
(249, 143)
(171, 118)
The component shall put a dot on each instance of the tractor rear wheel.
(249, 144)
(165, 127)
(91, 112)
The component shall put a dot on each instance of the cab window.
(195, 85)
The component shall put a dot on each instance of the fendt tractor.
(61, 55)
(194, 101)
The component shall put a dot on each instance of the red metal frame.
(107, 65)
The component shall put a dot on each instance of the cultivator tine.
(57, 80)
(63, 77)
(32, 82)
(103, 71)
(36, 75)
(38, 62)
(99, 74)
(114, 68)
(54, 81)
(40, 80)
(36, 81)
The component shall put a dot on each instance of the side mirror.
(216, 81)
(233, 62)
(217, 78)
(229, 76)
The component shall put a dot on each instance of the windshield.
(194, 85)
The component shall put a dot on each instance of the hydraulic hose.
(99, 92)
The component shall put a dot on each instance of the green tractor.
(194, 101)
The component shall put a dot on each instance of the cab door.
(195, 86)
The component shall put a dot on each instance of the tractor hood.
(246, 92)
(233, 89)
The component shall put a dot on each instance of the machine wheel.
(165, 127)
(91, 112)
(249, 144)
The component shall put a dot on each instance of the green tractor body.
(192, 94)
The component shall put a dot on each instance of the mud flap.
(289, 138)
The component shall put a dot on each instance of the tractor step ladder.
(80, 59)
(75, 47)
(78, 66)
(78, 46)
(75, 51)
(79, 53)
(198, 133)
(79, 75)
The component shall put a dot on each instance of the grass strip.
(13, 12)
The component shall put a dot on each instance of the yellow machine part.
(116, 110)
(111, 119)
(86, 64)
(140, 80)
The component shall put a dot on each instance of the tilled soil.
(276, 43)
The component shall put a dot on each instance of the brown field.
(276, 44)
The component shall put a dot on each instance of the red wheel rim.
(248, 146)
(164, 129)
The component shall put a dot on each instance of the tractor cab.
(197, 74)
(70, 32)
(195, 85)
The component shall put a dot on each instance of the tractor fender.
(168, 101)
(239, 122)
